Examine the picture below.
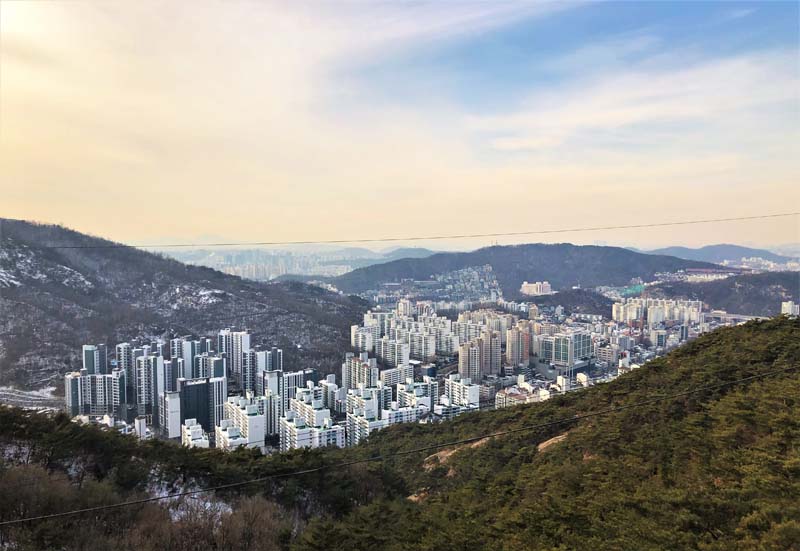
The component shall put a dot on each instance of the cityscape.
(406, 365)
(421, 275)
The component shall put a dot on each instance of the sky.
(159, 122)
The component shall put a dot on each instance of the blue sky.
(495, 69)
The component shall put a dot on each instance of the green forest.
(716, 469)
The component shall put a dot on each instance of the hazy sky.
(159, 121)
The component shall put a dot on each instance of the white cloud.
(690, 99)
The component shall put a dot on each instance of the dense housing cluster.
(407, 364)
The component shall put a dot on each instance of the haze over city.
(294, 121)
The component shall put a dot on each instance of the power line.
(561, 421)
(425, 238)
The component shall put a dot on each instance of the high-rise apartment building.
(95, 359)
(359, 370)
(95, 394)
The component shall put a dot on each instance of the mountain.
(563, 265)
(747, 294)
(713, 467)
(720, 253)
(53, 300)
(386, 256)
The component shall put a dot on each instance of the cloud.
(738, 13)
(667, 103)
(176, 120)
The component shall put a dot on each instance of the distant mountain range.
(720, 253)
(52, 300)
(563, 265)
(295, 263)
(748, 294)
(386, 256)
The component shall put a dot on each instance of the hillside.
(716, 469)
(52, 300)
(563, 265)
(576, 301)
(749, 294)
(720, 253)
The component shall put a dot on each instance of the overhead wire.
(422, 238)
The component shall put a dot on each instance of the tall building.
(203, 400)
(517, 347)
(295, 433)
(333, 397)
(371, 400)
(422, 346)
(362, 339)
(248, 417)
(124, 357)
(228, 436)
(309, 405)
(416, 394)
(207, 365)
(359, 370)
(360, 424)
(240, 343)
(283, 384)
(789, 308)
(490, 343)
(461, 392)
(570, 348)
(469, 360)
(396, 375)
(249, 370)
(95, 359)
(95, 394)
(392, 352)
(381, 319)
(193, 435)
(150, 383)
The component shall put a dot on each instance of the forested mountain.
(52, 300)
(720, 253)
(563, 265)
(748, 294)
(715, 468)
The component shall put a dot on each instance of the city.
(422, 275)
(406, 365)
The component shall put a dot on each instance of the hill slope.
(716, 469)
(52, 300)
(576, 301)
(720, 253)
(748, 294)
(563, 265)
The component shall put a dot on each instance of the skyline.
(127, 120)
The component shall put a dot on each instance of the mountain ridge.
(719, 253)
(747, 294)
(52, 300)
(564, 265)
